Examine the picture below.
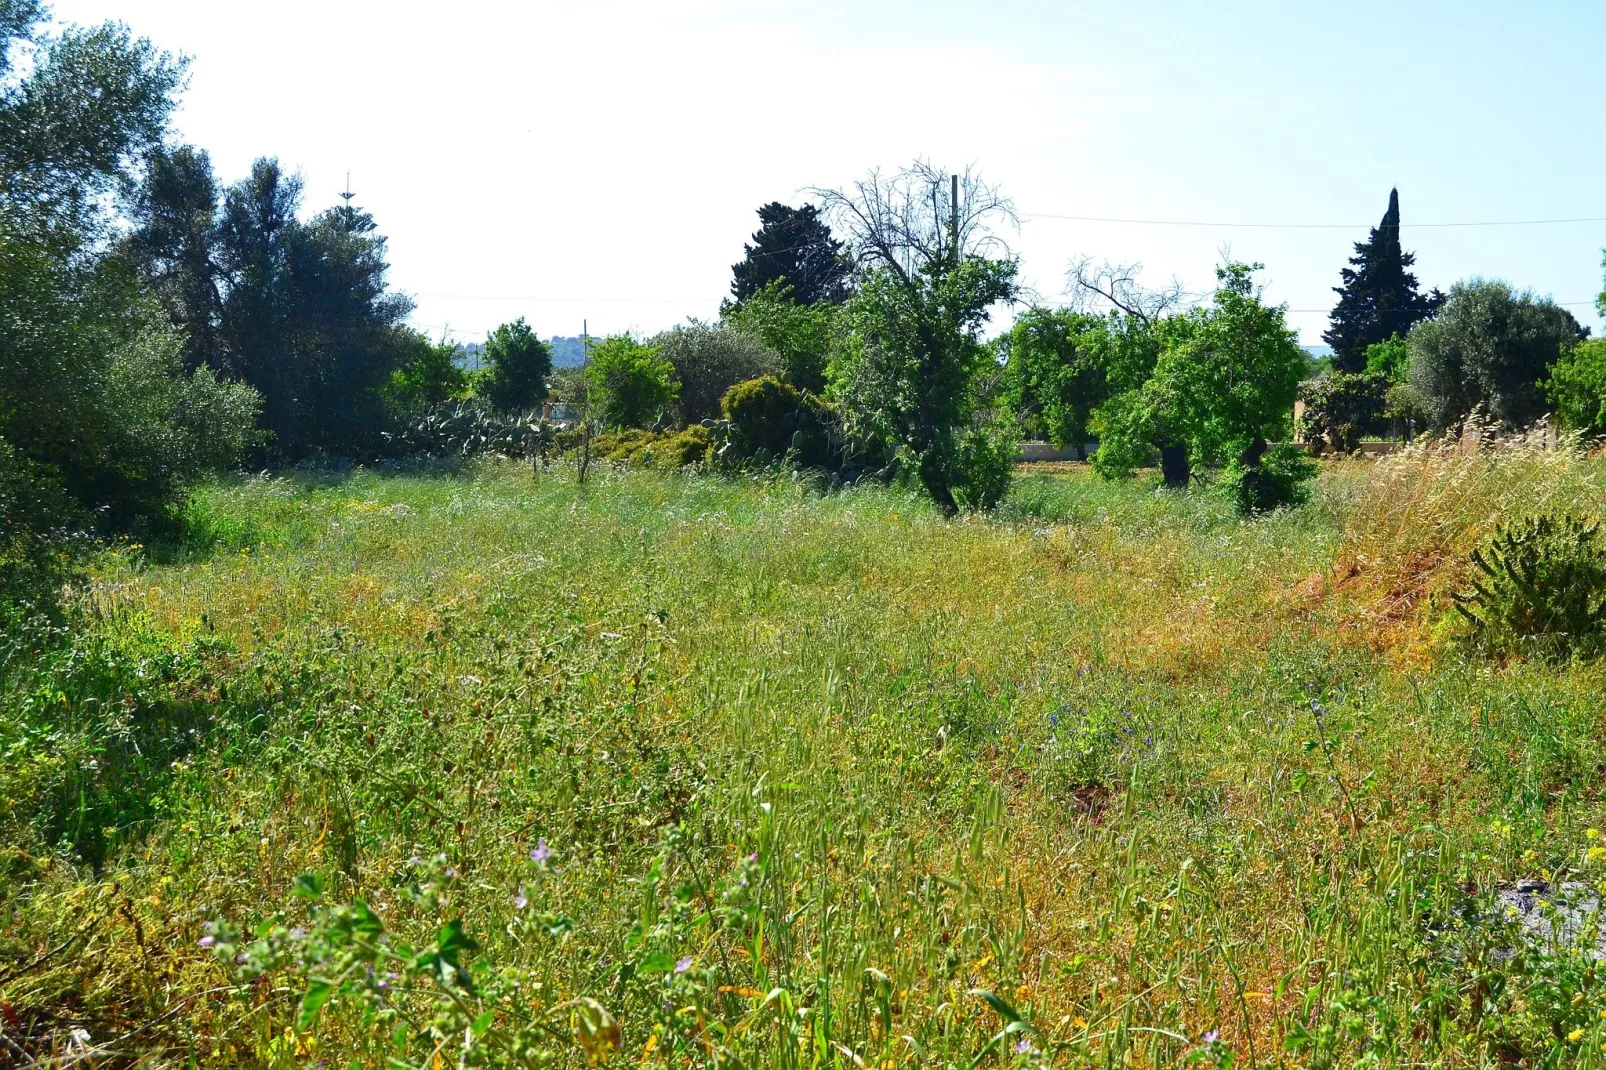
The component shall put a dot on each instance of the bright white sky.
(602, 160)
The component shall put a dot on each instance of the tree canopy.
(1379, 297)
(520, 365)
(1223, 384)
(298, 309)
(907, 347)
(793, 246)
(631, 384)
(100, 423)
(1489, 348)
(708, 360)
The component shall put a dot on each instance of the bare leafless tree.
(907, 221)
(1100, 286)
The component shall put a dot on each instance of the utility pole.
(585, 399)
(953, 217)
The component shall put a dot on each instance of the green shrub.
(686, 447)
(633, 385)
(770, 418)
(1577, 387)
(1539, 585)
(1280, 478)
(984, 466)
(519, 364)
(1341, 407)
(708, 360)
(663, 450)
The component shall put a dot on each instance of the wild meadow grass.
(673, 770)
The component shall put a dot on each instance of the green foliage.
(429, 375)
(1225, 378)
(1340, 408)
(101, 402)
(98, 727)
(72, 124)
(770, 418)
(1538, 585)
(660, 450)
(1379, 298)
(1062, 365)
(297, 308)
(985, 466)
(631, 384)
(467, 429)
(1390, 358)
(799, 334)
(793, 248)
(1278, 478)
(907, 356)
(519, 365)
(1577, 387)
(100, 422)
(1489, 348)
(708, 360)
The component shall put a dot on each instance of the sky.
(600, 162)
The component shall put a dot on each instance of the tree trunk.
(1174, 465)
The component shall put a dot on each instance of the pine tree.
(1379, 297)
(794, 245)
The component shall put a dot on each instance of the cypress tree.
(795, 246)
(1379, 297)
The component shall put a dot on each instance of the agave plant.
(1539, 583)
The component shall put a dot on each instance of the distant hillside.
(565, 353)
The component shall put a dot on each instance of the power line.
(1028, 217)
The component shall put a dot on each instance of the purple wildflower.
(541, 852)
(451, 874)
(1211, 1037)
(206, 941)
(520, 901)
(683, 965)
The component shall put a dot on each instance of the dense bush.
(1539, 585)
(428, 376)
(984, 466)
(631, 384)
(770, 418)
(662, 450)
(1341, 407)
(1280, 477)
(1577, 387)
(110, 417)
(798, 333)
(519, 366)
(708, 360)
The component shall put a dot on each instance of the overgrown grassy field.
(483, 767)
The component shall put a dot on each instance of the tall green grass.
(728, 771)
